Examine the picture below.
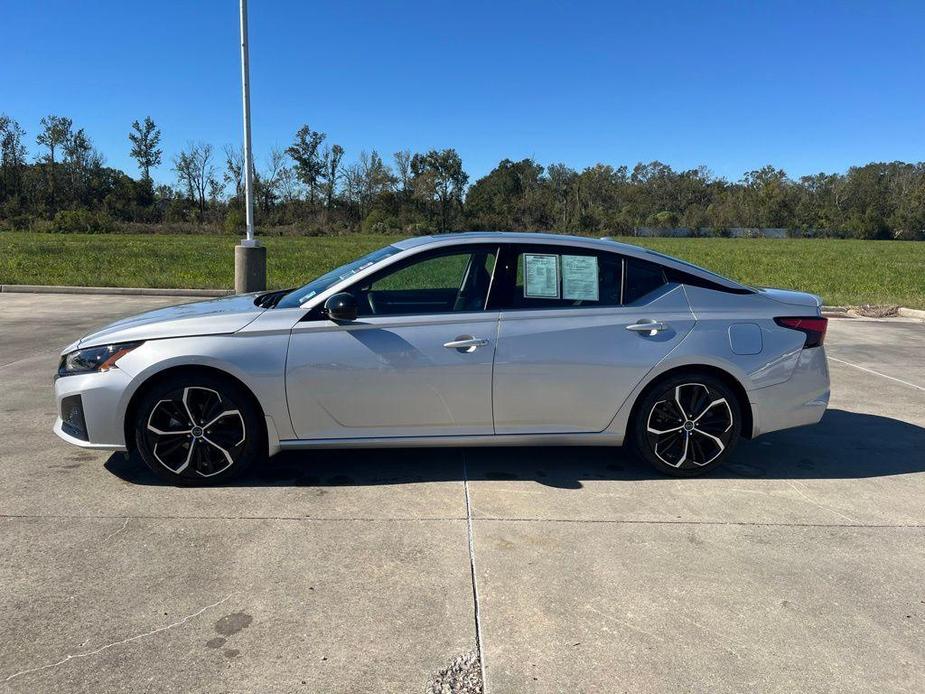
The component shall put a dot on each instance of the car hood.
(788, 296)
(226, 315)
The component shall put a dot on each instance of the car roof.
(605, 244)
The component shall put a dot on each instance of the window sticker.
(579, 278)
(541, 276)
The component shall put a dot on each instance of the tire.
(687, 424)
(198, 429)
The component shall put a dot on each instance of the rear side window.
(642, 278)
(538, 277)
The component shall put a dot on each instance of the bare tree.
(56, 130)
(195, 170)
(79, 159)
(375, 178)
(12, 155)
(234, 170)
(332, 159)
(288, 184)
(403, 170)
(269, 179)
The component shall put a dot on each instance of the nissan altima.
(458, 339)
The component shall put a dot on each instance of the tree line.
(308, 187)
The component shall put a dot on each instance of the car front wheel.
(687, 424)
(198, 430)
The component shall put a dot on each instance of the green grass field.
(842, 272)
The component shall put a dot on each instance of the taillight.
(813, 327)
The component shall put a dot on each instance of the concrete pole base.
(250, 268)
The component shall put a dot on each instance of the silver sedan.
(460, 339)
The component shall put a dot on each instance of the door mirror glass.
(341, 307)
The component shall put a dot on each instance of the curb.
(911, 313)
(123, 291)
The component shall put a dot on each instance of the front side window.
(559, 277)
(447, 281)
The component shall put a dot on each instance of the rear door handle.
(650, 327)
(464, 343)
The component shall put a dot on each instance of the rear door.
(573, 341)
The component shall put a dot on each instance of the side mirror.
(341, 307)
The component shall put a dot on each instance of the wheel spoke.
(219, 448)
(189, 412)
(165, 417)
(677, 399)
(720, 401)
(659, 432)
(168, 449)
(715, 439)
(189, 456)
(667, 448)
(168, 433)
(674, 444)
(219, 416)
(717, 442)
(662, 414)
(200, 403)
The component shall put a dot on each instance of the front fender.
(257, 361)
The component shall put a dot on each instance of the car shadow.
(844, 445)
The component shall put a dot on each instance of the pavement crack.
(759, 524)
(491, 519)
(815, 503)
(113, 534)
(136, 637)
(625, 624)
(316, 519)
(474, 577)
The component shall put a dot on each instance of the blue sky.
(808, 86)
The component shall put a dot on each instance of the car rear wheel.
(198, 430)
(687, 425)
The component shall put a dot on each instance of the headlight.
(84, 361)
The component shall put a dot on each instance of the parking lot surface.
(798, 567)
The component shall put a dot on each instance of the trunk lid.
(790, 297)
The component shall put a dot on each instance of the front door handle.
(650, 327)
(466, 343)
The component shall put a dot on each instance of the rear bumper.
(798, 401)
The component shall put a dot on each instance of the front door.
(416, 362)
(570, 346)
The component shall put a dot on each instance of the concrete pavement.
(798, 567)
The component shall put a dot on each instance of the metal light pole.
(250, 258)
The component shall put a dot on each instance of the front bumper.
(798, 401)
(102, 399)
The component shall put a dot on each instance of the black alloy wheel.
(198, 431)
(687, 425)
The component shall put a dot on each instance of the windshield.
(299, 296)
